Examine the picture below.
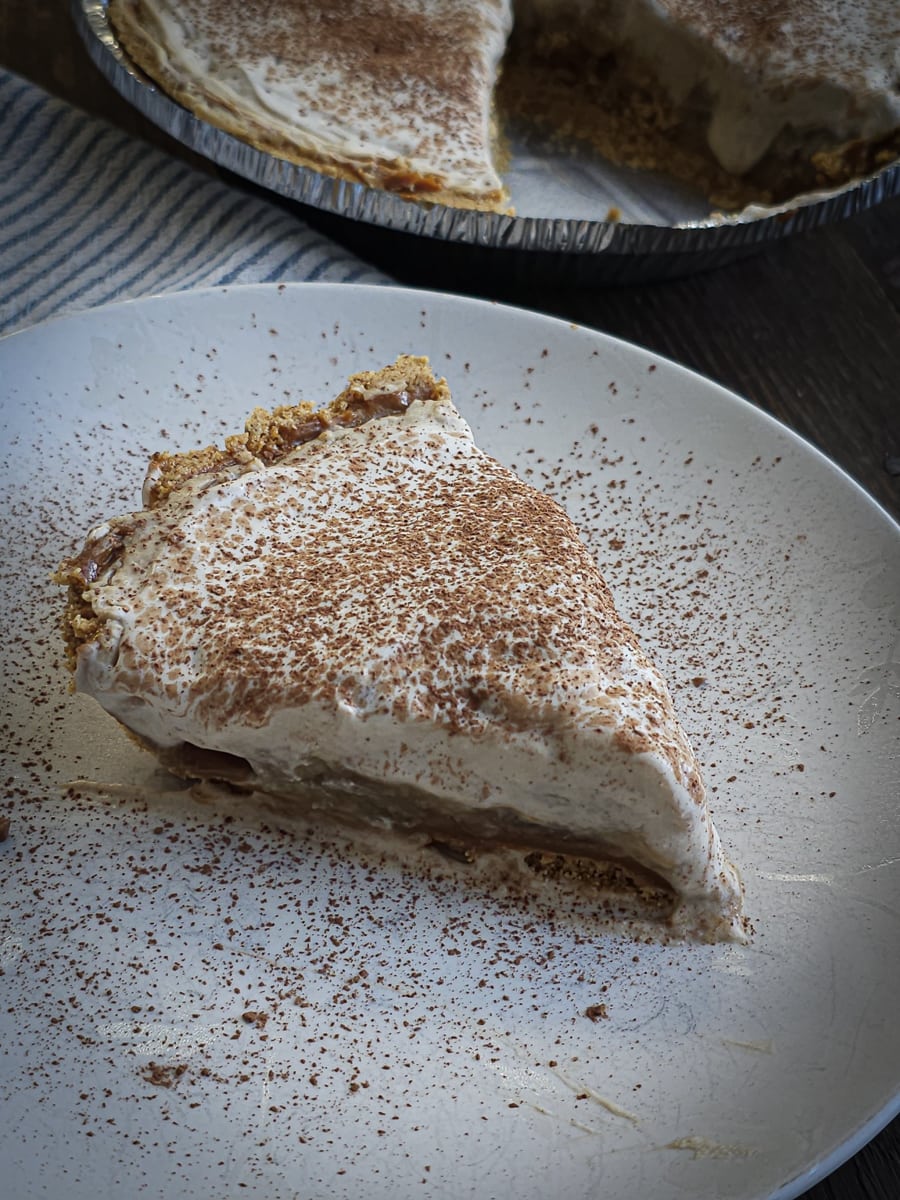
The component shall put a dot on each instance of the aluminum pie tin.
(663, 228)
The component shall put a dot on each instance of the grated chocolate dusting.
(448, 573)
(842, 41)
(269, 436)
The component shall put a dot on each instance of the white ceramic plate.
(411, 1039)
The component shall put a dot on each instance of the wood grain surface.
(808, 329)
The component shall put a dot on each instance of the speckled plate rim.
(719, 233)
(319, 296)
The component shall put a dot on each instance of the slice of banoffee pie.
(358, 612)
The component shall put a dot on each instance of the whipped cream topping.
(389, 600)
(402, 86)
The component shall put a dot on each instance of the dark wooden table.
(808, 329)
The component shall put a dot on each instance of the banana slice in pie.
(358, 612)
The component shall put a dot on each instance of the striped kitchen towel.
(89, 214)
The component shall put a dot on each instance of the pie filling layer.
(325, 790)
(357, 611)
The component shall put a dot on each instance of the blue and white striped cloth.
(89, 214)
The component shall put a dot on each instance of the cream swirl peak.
(358, 611)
